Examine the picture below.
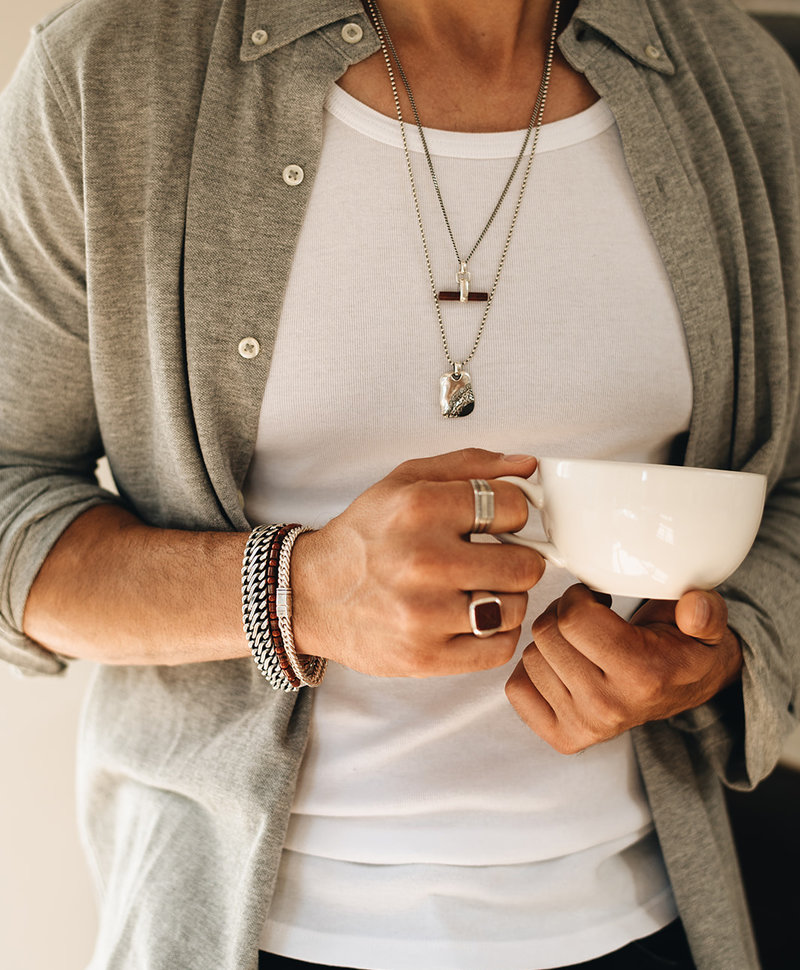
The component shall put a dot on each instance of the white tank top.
(431, 828)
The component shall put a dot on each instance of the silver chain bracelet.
(266, 609)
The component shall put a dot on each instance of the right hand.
(384, 588)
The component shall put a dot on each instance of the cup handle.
(534, 493)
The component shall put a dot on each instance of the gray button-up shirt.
(155, 163)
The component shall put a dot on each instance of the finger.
(466, 653)
(463, 465)
(702, 614)
(594, 630)
(512, 610)
(511, 508)
(573, 668)
(529, 703)
(451, 505)
(501, 568)
(550, 684)
(426, 508)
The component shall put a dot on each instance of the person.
(218, 249)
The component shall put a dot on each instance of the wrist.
(267, 609)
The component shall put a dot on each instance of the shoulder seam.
(52, 17)
(56, 85)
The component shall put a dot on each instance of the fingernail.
(517, 458)
(702, 613)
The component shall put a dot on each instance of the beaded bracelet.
(266, 609)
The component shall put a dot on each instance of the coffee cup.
(642, 530)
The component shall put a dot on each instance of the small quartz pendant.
(456, 397)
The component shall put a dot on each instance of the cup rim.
(646, 466)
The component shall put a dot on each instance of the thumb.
(464, 464)
(702, 614)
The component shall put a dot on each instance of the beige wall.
(46, 911)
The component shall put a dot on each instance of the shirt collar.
(284, 21)
(626, 23)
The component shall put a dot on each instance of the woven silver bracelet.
(310, 670)
(256, 607)
(266, 609)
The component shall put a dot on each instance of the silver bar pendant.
(463, 294)
(456, 397)
(463, 277)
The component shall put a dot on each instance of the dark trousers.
(665, 950)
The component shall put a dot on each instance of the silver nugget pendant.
(456, 397)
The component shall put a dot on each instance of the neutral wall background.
(47, 915)
(47, 912)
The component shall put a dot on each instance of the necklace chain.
(534, 127)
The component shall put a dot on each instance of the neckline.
(580, 127)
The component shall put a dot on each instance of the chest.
(582, 350)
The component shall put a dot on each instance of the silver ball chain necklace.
(456, 393)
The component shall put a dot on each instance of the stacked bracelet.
(267, 609)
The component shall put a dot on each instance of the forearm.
(116, 591)
(380, 588)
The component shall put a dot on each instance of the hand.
(589, 675)
(384, 588)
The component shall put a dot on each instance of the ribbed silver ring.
(484, 505)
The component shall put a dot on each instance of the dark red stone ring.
(485, 615)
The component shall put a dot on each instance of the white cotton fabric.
(431, 827)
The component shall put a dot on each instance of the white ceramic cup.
(649, 531)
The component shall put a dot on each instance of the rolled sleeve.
(49, 435)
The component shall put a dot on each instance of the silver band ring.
(484, 505)
(486, 615)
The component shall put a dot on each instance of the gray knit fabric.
(145, 228)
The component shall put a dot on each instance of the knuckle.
(409, 470)
(530, 658)
(414, 622)
(416, 658)
(421, 567)
(651, 675)
(414, 505)
(544, 626)
(648, 685)
(473, 456)
(588, 733)
(574, 616)
(570, 739)
(568, 618)
(408, 627)
(609, 716)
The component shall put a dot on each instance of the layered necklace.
(456, 393)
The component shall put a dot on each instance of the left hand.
(589, 675)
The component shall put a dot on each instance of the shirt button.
(293, 175)
(249, 347)
(653, 52)
(352, 33)
(259, 37)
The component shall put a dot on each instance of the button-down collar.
(287, 20)
(627, 23)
